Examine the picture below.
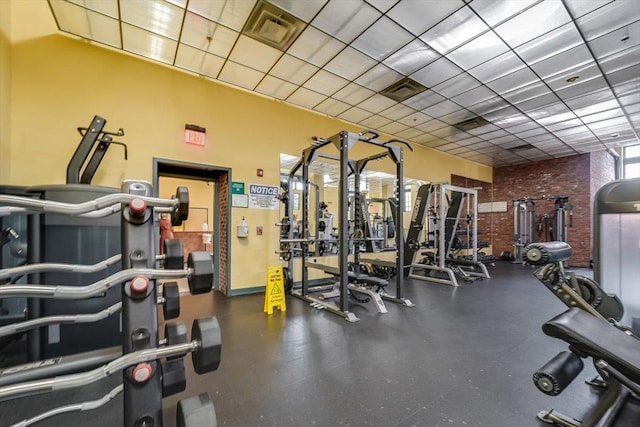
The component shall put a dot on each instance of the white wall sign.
(263, 197)
(488, 207)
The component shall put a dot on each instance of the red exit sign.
(195, 135)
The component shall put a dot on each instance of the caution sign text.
(274, 294)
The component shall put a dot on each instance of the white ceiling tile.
(91, 25)
(495, 135)
(393, 128)
(612, 42)
(443, 108)
(436, 72)
(474, 96)
(179, 3)
(382, 38)
(423, 100)
(353, 94)
(523, 127)
(411, 57)
(551, 119)
(503, 65)
(533, 104)
(350, 63)
(478, 50)
(397, 112)
(457, 29)
(554, 127)
(378, 78)
(253, 54)
(539, 19)
(595, 108)
(487, 106)
(525, 135)
(304, 10)
(355, 115)
(581, 87)
(156, 16)
(468, 141)
(626, 88)
(275, 87)
(616, 124)
(198, 61)
(332, 107)
(240, 75)
(527, 92)
(520, 78)
(602, 115)
(232, 13)
(550, 44)
(207, 35)
(621, 60)
(456, 85)
(409, 134)
(315, 47)
(375, 122)
(147, 44)
(494, 12)
(325, 83)
(376, 103)
(418, 16)
(577, 8)
(382, 5)
(306, 98)
(414, 119)
(448, 147)
(585, 101)
(432, 125)
(345, 19)
(631, 99)
(105, 7)
(574, 58)
(503, 116)
(585, 73)
(483, 129)
(294, 70)
(457, 117)
(607, 18)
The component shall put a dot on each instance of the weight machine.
(348, 281)
(529, 229)
(442, 206)
(147, 378)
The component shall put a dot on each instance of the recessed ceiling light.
(615, 135)
(573, 79)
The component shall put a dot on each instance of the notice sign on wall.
(263, 197)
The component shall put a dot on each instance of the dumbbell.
(174, 378)
(173, 254)
(181, 211)
(200, 265)
(196, 411)
(170, 300)
(205, 334)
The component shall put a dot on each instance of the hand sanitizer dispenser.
(243, 228)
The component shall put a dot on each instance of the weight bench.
(615, 353)
(355, 284)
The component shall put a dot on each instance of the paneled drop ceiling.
(497, 82)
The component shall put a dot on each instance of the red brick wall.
(221, 240)
(568, 176)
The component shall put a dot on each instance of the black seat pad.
(464, 262)
(599, 339)
(369, 280)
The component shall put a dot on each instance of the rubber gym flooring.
(461, 358)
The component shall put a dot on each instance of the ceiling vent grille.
(473, 123)
(403, 89)
(273, 26)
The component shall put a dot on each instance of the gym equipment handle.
(66, 382)
(10, 273)
(96, 288)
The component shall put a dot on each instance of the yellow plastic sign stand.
(274, 295)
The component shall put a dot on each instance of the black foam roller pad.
(558, 373)
(547, 252)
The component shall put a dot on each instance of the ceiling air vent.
(273, 26)
(472, 123)
(521, 147)
(403, 89)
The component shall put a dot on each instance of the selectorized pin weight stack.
(150, 371)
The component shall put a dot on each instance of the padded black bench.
(613, 351)
(367, 280)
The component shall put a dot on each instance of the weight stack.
(76, 240)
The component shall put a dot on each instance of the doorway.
(209, 210)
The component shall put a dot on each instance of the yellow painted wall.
(59, 83)
(5, 91)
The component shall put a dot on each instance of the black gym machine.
(151, 368)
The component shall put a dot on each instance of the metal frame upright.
(344, 141)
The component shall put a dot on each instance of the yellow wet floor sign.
(274, 294)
